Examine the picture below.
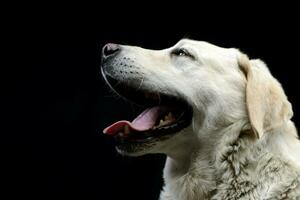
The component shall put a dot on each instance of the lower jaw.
(157, 146)
(139, 143)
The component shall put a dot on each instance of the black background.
(55, 104)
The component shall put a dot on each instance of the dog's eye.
(181, 52)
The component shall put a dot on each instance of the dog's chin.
(140, 149)
(135, 153)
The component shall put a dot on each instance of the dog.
(222, 119)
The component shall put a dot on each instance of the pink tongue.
(145, 121)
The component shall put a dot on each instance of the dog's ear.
(266, 101)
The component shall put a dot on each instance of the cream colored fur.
(241, 144)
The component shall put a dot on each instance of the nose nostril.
(110, 49)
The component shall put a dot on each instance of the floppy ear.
(267, 104)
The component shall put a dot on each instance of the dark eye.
(181, 52)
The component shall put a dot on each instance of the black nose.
(110, 49)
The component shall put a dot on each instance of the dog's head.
(188, 90)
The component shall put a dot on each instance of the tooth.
(161, 122)
(166, 118)
(126, 129)
(171, 116)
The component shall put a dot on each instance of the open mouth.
(163, 115)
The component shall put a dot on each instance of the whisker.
(159, 99)
(141, 83)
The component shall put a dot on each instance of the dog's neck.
(205, 164)
(195, 158)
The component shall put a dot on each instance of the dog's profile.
(223, 120)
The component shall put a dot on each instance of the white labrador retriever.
(222, 120)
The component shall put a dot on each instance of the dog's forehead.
(199, 45)
(206, 48)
